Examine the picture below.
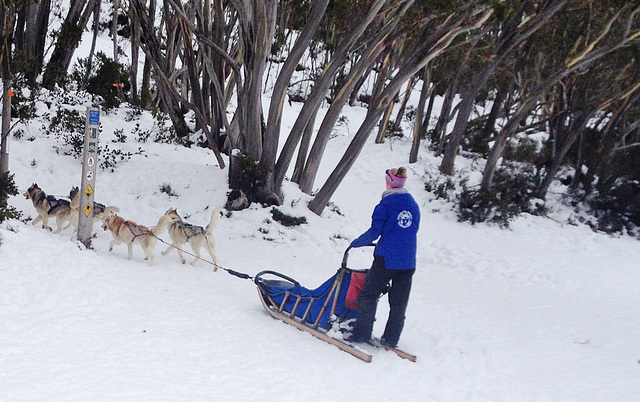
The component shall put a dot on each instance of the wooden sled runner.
(313, 311)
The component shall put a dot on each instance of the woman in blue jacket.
(395, 224)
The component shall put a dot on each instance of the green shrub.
(475, 139)
(120, 136)
(109, 158)
(524, 149)
(107, 79)
(287, 220)
(22, 107)
(619, 209)
(166, 189)
(391, 131)
(68, 125)
(441, 186)
(7, 187)
(510, 195)
(251, 175)
(66, 120)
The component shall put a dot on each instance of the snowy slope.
(541, 312)
(544, 311)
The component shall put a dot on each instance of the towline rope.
(230, 271)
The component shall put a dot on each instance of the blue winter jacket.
(395, 221)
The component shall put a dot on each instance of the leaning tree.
(417, 54)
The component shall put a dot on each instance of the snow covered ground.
(544, 311)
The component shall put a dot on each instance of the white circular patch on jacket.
(404, 219)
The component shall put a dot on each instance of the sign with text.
(87, 188)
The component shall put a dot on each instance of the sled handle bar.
(346, 254)
(278, 274)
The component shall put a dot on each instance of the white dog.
(129, 232)
(197, 236)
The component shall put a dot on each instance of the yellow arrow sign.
(88, 191)
(87, 209)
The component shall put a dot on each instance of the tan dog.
(100, 211)
(48, 206)
(182, 233)
(129, 232)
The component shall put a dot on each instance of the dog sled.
(317, 311)
(325, 311)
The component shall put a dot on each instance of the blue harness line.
(194, 230)
(137, 232)
(53, 203)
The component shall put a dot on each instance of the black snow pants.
(375, 283)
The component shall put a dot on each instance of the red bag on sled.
(355, 288)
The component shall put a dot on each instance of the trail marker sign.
(87, 188)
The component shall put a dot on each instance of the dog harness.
(137, 231)
(53, 203)
(193, 230)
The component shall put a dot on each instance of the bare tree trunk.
(318, 94)
(440, 130)
(528, 104)
(6, 126)
(7, 18)
(114, 29)
(135, 57)
(606, 148)
(96, 28)
(418, 125)
(378, 86)
(427, 116)
(465, 107)
(154, 54)
(403, 104)
(356, 89)
(384, 122)
(31, 34)
(490, 124)
(68, 40)
(237, 128)
(203, 9)
(418, 55)
(217, 77)
(257, 21)
(512, 35)
(190, 62)
(145, 92)
(272, 133)
(577, 128)
(361, 68)
(303, 149)
(582, 61)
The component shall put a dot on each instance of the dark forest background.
(568, 68)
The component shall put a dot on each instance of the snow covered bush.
(510, 195)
